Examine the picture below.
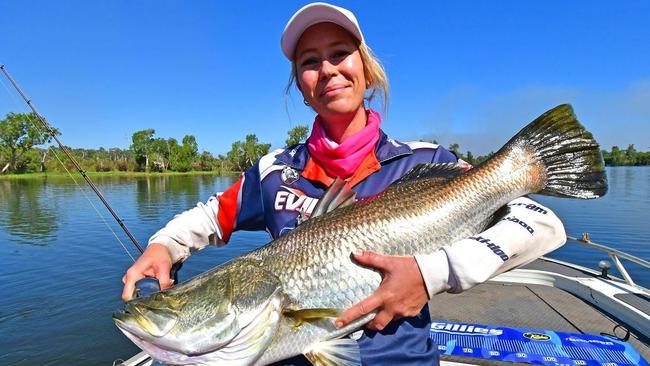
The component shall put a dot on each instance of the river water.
(62, 267)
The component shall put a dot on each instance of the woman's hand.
(402, 291)
(154, 262)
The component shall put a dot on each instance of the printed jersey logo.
(530, 206)
(292, 199)
(520, 222)
(493, 247)
(289, 175)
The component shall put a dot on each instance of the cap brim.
(313, 14)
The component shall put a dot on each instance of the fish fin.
(570, 156)
(302, 316)
(334, 352)
(257, 335)
(439, 173)
(498, 215)
(339, 194)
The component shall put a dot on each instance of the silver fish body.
(281, 300)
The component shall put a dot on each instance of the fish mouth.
(123, 318)
(144, 321)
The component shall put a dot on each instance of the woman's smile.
(333, 90)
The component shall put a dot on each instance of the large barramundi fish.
(281, 299)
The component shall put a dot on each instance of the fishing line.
(51, 133)
(83, 192)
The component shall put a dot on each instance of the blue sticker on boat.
(531, 346)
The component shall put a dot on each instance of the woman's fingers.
(163, 270)
(131, 277)
(372, 259)
(381, 320)
(401, 293)
(364, 307)
(154, 262)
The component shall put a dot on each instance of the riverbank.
(114, 174)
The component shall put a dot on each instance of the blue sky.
(470, 72)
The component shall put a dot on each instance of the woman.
(335, 71)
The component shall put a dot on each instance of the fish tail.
(568, 154)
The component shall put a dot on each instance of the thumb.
(371, 259)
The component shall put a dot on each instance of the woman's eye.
(309, 61)
(341, 54)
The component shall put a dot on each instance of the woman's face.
(330, 70)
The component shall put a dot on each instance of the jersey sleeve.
(443, 155)
(527, 232)
(212, 222)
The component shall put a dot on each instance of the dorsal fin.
(438, 172)
(339, 194)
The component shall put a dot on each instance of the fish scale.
(277, 301)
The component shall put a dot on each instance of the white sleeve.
(527, 232)
(191, 230)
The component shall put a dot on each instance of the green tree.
(182, 156)
(644, 158)
(172, 147)
(243, 154)
(18, 134)
(296, 135)
(206, 161)
(630, 155)
(142, 145)
(254, 150)
(616, 157)
(161, 153)
(470, 157)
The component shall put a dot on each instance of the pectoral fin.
(334, 352)
(302, 316)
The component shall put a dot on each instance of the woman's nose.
(328, 69)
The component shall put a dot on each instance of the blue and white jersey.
(272, 194)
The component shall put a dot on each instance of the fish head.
(223, 314)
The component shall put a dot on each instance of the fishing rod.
(74, 161)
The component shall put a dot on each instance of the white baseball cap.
(315, 13)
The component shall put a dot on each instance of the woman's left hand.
(402, 291)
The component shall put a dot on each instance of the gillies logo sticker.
(537, 336)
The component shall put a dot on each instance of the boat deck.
(529, 306)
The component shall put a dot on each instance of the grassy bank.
(112, 174)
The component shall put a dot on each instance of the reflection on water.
(61, 267)
(28, 211)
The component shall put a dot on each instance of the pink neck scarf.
(342, 160)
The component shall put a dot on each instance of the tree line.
(614, 157)
(628, 157)
(22, 151)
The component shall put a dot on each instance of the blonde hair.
(373, 71)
